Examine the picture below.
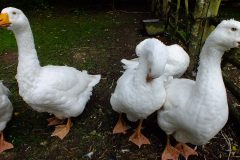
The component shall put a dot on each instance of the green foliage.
(57, 38)
(8, 42)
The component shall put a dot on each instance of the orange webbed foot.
(185, 150)
(139, 139)
(62, 130)
(54, 121)
(170, 153)
(4, 145)
(120, 127)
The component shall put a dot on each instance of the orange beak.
(4, 20)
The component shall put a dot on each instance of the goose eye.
(233, 29)
(14, 13)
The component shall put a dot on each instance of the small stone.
(16, 113)
(89, 155)
(44, 143)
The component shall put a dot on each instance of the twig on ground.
(103, 154)
(111, 84)
(228, 143)
(9, 66)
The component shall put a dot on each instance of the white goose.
(140, 91)
(6, 110)
(59, 90)
(195, 111)
(177, 61)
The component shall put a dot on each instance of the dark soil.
(92, 131)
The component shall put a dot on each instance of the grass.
(55, 35)
(80, 39)
(95, 41)
(56, 38)
(8, 41)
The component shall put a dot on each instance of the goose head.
(13, 19)
(154, 53)
(226, 35)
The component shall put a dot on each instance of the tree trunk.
(195, 36)
(212, 12)
(165, 8)
(204, 9)
(156, 7)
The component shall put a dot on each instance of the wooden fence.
(189, 21)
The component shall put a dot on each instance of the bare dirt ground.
(91, 135)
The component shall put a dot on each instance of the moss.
(154, 29)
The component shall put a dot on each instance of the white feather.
(60, 90)
(195, 111)
(6, 108)
(135, 96)
(177, 62)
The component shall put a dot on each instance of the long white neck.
(209, 79)
(27, 56)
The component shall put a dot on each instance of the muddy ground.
(91, 134)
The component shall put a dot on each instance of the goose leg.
(54, 121)
(120, 127)
(185, 150)
(4, 145)
(62, 130)
(137, 137)
(170, 152)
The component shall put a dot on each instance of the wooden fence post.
(196, 30)
(204, 10)
(212, 12)
(199, 26)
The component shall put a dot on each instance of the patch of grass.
(55, 35)
(8, 41)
